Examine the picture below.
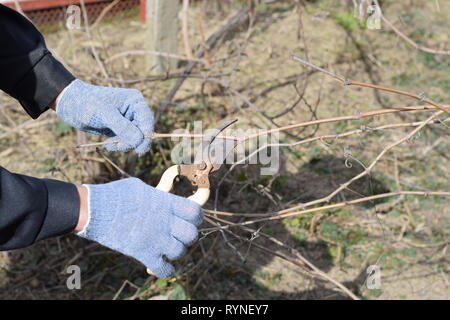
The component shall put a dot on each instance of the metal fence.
(43, 12)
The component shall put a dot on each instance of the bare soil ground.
(407, 237)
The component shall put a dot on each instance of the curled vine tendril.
(348, 157)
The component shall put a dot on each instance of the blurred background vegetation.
(406, 236)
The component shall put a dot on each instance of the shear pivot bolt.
(202, 166)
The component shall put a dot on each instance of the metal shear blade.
(210, 156)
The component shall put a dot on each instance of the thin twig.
(89, 35)
(155, 53)
(347, 82)
(279, 215)
(408, 39)
(299, 259)
(185, 28)
(104, 13)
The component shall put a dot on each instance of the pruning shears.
(209, 157)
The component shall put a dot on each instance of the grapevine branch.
(156, 135)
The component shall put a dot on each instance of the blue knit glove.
(122, 114)
(140, 221)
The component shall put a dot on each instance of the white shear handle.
(166, 184)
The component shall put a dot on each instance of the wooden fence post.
(163, 26)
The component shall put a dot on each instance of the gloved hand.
(122, 114)
(140, 221)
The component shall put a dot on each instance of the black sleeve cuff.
(63, 209)
(41, 85)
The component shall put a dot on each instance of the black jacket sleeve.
(28, 71)
(31, 209)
